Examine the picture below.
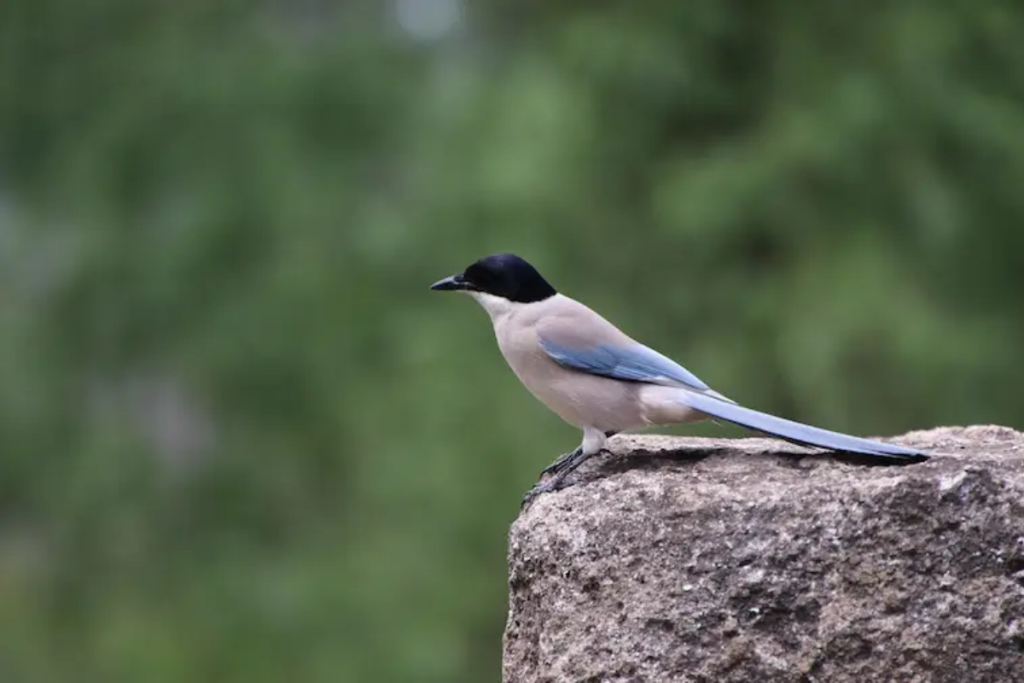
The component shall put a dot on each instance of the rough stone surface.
(713, 561)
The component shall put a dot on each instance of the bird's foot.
(561, 462)
(561, 469)
(549, 486)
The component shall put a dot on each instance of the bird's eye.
(477, 275)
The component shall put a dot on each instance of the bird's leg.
(593, 443)
(561, 462)
(575, 459)
(566, 465)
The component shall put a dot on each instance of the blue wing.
(633, 363)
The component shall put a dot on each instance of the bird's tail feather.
(796, 432)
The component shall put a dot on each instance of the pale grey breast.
(579, 398)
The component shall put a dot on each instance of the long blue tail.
(796, 432)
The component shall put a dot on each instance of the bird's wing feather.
(632, 363)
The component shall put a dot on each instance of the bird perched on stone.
(599, 379)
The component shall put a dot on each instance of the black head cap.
(504, 275)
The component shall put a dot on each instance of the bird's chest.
(553, 385)
(521, 349)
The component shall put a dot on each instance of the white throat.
(496, 307)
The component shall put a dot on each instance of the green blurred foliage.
(241, 441)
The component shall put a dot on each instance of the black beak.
(454, 283)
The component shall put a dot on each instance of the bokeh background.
(240, 440)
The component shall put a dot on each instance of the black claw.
(561, 469)
(538, 489)
(561, 462)
(553, 467)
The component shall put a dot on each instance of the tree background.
(241, 441)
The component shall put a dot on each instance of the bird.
(597, 378)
